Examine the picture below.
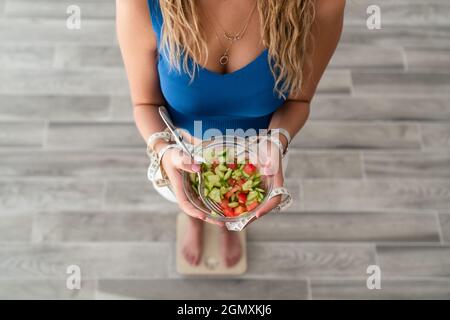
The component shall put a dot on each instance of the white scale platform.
(211, 263)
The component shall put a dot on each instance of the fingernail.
(195, 167)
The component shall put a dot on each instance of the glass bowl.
(241, 149)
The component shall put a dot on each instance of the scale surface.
(211, 263)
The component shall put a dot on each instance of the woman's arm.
(138, 45)
(326, 31)
(295, 111)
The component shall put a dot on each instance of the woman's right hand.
(174, 161)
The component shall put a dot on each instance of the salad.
(234, 184)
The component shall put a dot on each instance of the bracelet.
(164, 135)
(281, 131)
(273, 136)
(155, 161)
(280, 146)
(163, 151)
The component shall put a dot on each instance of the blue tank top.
(243, 99)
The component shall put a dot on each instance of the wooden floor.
(370, 172)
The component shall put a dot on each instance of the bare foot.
(230, 247)
(193, 241)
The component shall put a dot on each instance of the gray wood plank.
(63, 82)
(435, 135)
(327, 194)
(22, 134)
(44, 289)
(293, 260)
(15, 227)
(25, 56)
(428, 59)
(74, 57)
(330, 134)
(376, 226)
(114, 260)
(400, 83)
(18, 194)
(380, 108)
(409, 12)
(53, 107)
(444, 220)
(103, 164)
(414, 261)
(135, 194)
(407, 36)
(356, 57)
(121, 108)
(335, 82)
(323, 164)
(98, 9)
(204, 289)
(104, 226)
(94, 135)
(139, 194)
(390, 289)
(407, 164)
(42, 31)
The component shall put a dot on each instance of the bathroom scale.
(211, 262)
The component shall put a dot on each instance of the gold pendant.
(224, 59)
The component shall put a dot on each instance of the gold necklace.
(225, 58)
(239, 35)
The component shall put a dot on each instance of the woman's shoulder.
(134, 22)
(327, 10)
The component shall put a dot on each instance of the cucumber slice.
(223, 190)
(247, 185)
(214, 194)
(218, 172)
(227, 174)
(233, 204)
(252, 195)
(256, 183)
(214, 180)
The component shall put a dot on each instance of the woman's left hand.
(272, 165)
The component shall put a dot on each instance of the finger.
(269, 206)
(184, 162)
(274, 202)
(183, 202)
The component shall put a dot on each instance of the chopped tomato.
(224, 204)
(242, 181)
(252, 205)
(231, 182)
(249, 169)
(228, 212)
(232, 166)
(242, 197)
(231, 192)
(239, 210)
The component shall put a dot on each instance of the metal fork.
(209, 203)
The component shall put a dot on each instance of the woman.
(232, 64)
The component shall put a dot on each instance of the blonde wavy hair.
(286, 28)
